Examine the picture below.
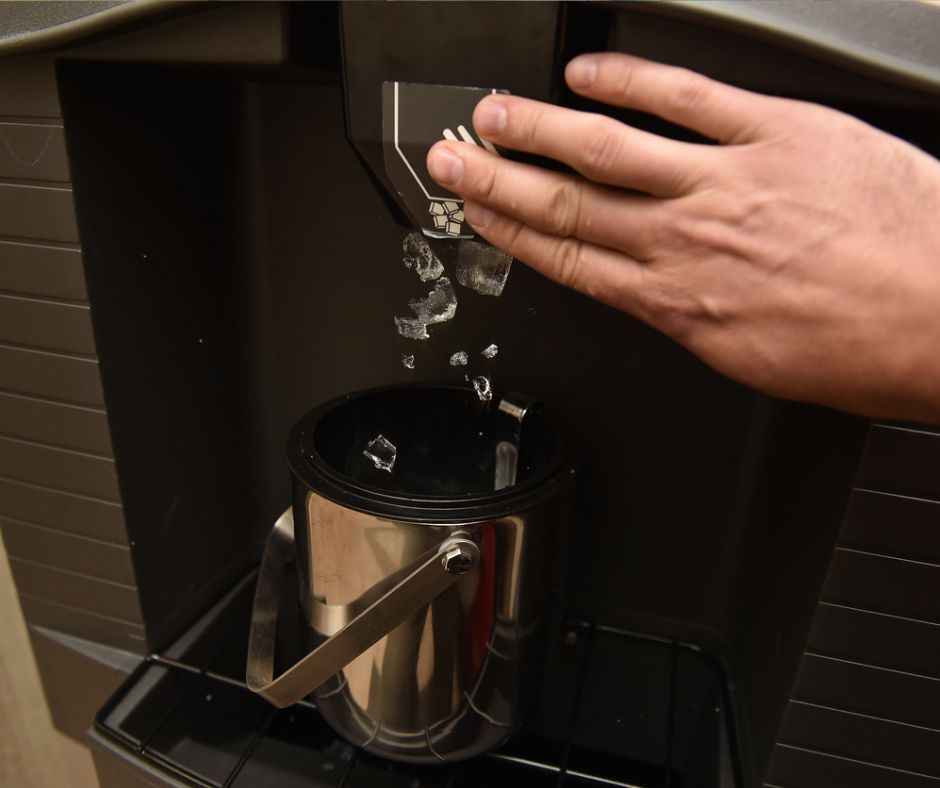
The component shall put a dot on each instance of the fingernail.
(477, 215)
(581, 72)
(445, 166)
(490, 116)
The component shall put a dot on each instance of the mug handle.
(426, 578)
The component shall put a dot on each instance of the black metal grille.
(669, 722)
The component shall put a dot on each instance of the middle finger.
(560, 205)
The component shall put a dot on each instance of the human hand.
(800, 256)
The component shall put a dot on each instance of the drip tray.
(204, 730)
(186, 718)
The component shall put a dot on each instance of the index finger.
(717, 110)
(600, 148)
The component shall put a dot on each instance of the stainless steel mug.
(424, 585)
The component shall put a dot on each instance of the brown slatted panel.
(71, 426)
(63, 511)
(50, 375)
(33, 151)
(34, 269)
(45, 213)
(29, 88)
(886, 585)
(893, 525)
(863, 738)
(39, 257)
(84, 624)
(68, 552)
(59, 469)
(68, 588)
(797, 768)
(46, 324)
(902, 461)
(866, 690)
(879, 640)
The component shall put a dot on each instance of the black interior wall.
(151, 153)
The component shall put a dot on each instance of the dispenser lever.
(428, 577)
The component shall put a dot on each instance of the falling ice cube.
(410, 328)
(408, 361)
(459, 359)
(382, 452)
(490, 351)
(482, 267)
(439, 306)
(417, 254)
(481, 385)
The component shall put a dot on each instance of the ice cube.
(439, 306)
(459, 359)
(410, 328)
(481, 385)
(490, 351)
(382, 452)
(408, 361)
(436, 209)
(482, 267)
(417, 254)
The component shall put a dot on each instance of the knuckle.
(568, 262)
(603, 147)
(656, 237)
(692, 91)
(682, 313)
(512, 234)
(667, 312)
(486, 183)
(563, 209)
(687, 232)
(625, 84)
(533, 127)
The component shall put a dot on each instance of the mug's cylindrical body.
(454, 679)
(451, 681)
